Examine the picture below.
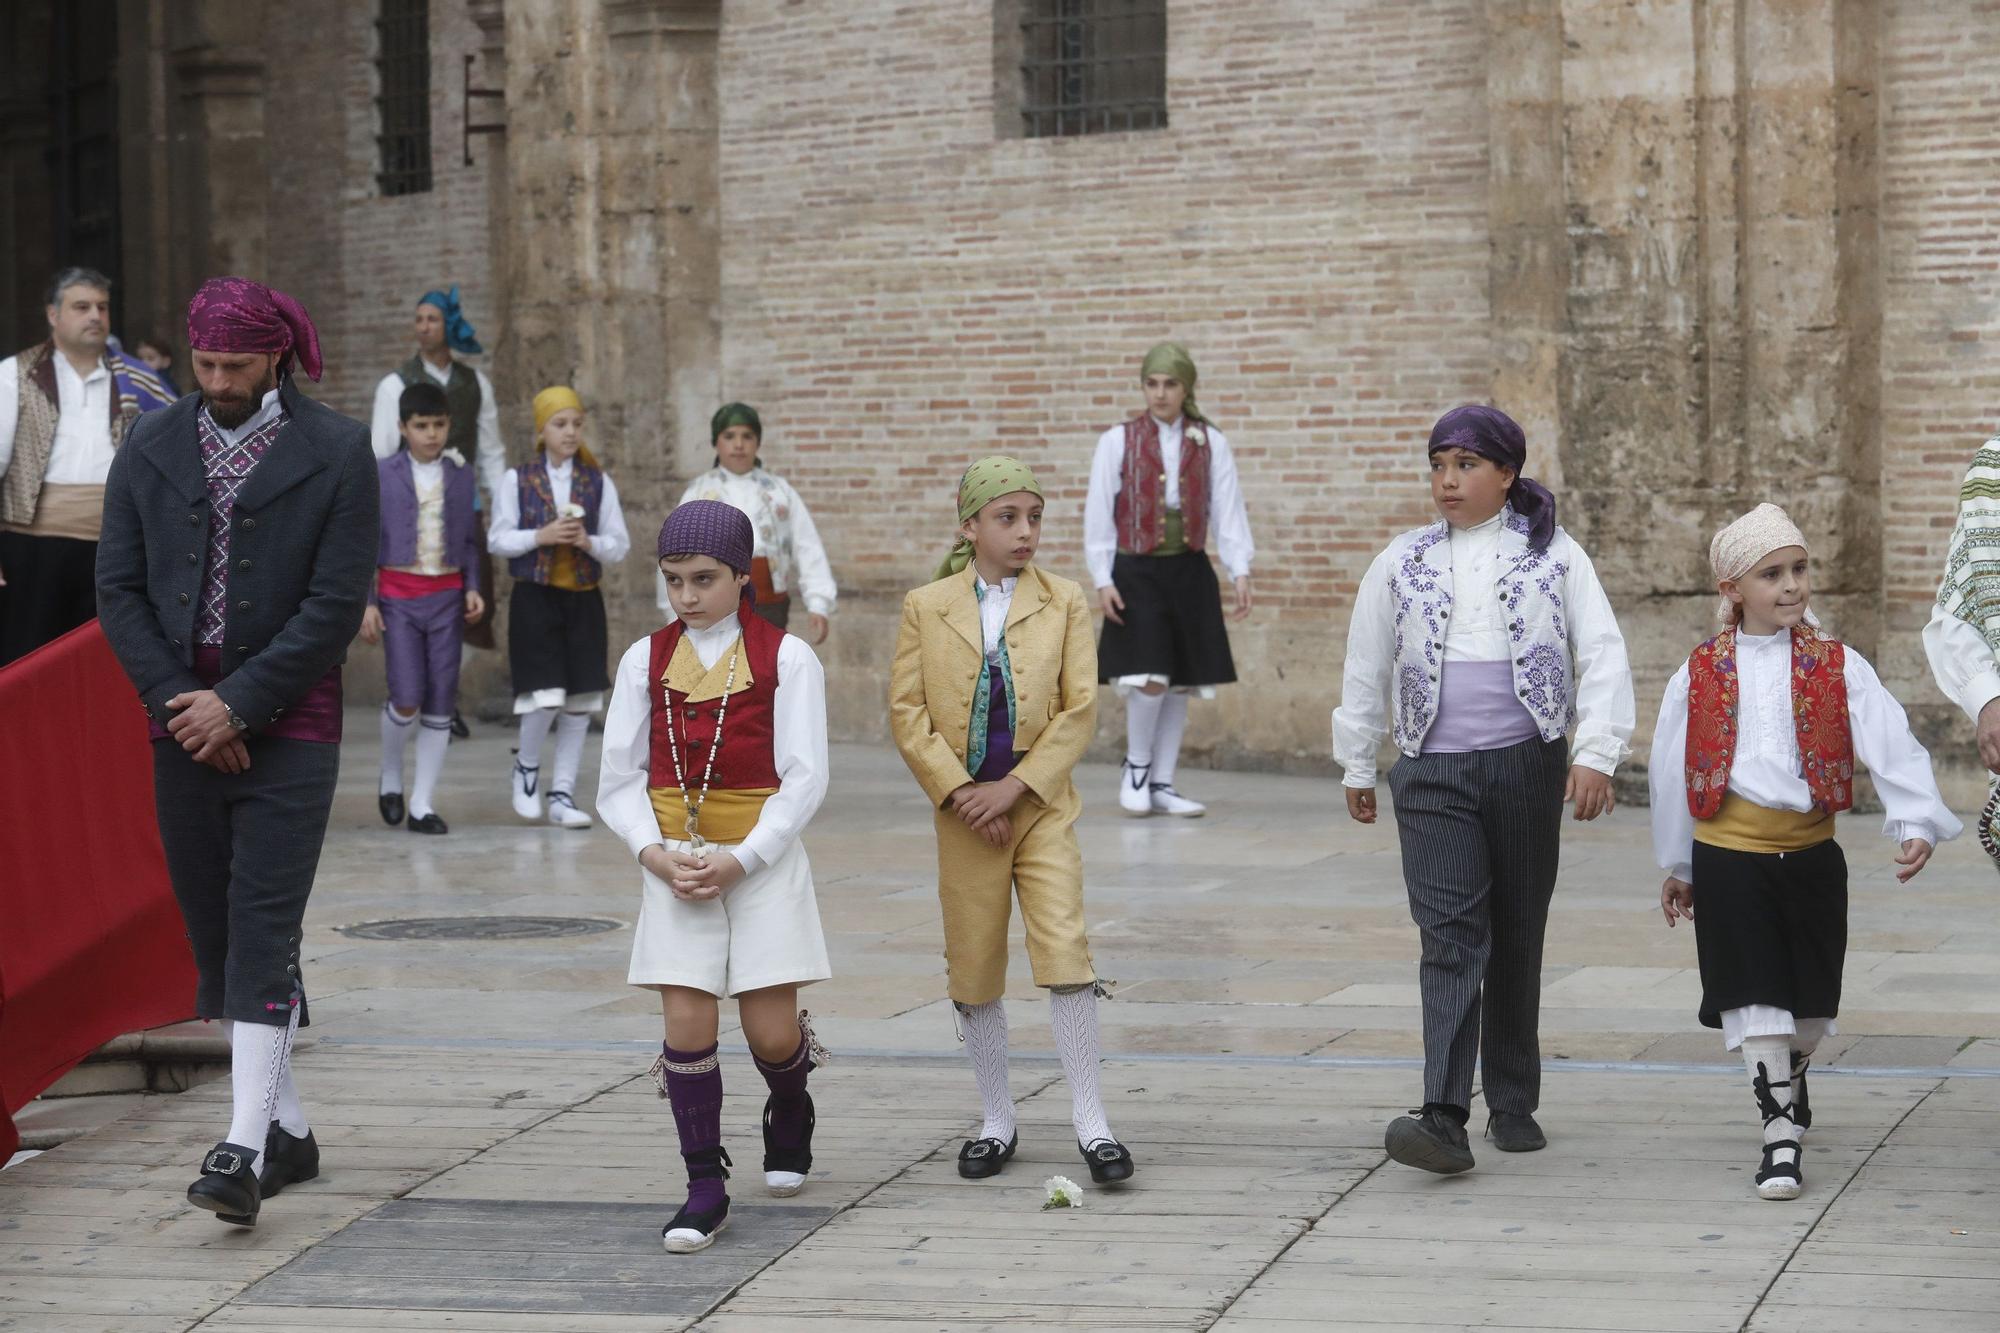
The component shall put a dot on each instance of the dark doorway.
(83, 138)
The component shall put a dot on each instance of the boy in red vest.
(714, 762)
(1753, 756)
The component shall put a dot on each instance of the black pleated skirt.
(1173, 622)
(1770, 928)
(557, 639)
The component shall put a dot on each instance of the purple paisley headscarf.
(1498, 438)
(238, 315)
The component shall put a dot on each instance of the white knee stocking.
(259, 1070)
(1142, 724)
(571, 728)
(432, 738)
(396, 729)
(1167, 737)
(534, 730)
(1073, 1019)
(984, 1030)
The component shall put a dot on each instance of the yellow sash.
(727, 815)
(1743, 826)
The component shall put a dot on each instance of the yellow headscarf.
(983, 483)
(551, 401)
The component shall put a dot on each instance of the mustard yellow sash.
(1743, 826)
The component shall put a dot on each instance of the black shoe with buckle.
(691, 1230)
(1109, 1161)
(1515, 1133)
(228, 1187)
(1431, 1138)
(980, 1158)
(286, 1161)
(390, 803)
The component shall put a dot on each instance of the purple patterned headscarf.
(238, 315)
(1498, 438)
(711, 528)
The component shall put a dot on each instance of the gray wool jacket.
(302, 555)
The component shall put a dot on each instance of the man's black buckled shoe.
(287, 1160)
(228, 1188)
(980, 1158)
(1109, 1161)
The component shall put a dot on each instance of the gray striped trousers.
(1480, 834)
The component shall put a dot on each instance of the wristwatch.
(237, 723)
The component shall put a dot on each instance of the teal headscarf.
(983, 483)
(1173, 359)
(734, 414)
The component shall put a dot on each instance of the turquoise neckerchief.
(982, 695)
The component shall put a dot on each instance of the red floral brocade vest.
(746, 760)
(1819, 712)
(1140, 507)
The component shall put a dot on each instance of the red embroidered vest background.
(747, 760)
(1140, 508)
(1819, 715)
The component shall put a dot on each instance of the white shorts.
(763, 931)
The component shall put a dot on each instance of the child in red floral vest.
(1753, 757)
(714, 762)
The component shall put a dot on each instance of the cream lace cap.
(1736, 549)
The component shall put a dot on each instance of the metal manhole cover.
(479, 928)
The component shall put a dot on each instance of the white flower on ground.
(1063, 1193)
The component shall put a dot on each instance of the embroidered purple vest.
(538, 510)
(1000, 757)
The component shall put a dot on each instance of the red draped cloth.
(91, 940)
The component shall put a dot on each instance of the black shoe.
(430, 823)
(1109, 1161)
(980, 1158)
(227, 1186)
(798, 1161)
(698, 1230)
(286, 1161)
(390, 803)
(458, 727)
(1515, 1133)
(1430, 1140)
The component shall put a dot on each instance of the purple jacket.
(398, 543)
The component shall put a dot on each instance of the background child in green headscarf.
(1163, 493)
(790, 556)
(993, 698)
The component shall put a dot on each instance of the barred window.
(1092, 66)
(403, 64)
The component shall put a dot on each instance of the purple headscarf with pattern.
(711, 528)
(238, 315)
(1498, 438)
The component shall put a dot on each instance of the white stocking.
(1142, 724)
(396, 730)
(1073, 1019)
(431, 742)
(1167, 738)
(984, 1029)
(571, 729)
(259, 1066)
(534, 730)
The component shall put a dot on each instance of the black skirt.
(1770, 928)
(1173, 622)
(556, 639)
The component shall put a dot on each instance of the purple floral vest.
(538, 510)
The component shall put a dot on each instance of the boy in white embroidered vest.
(1478, 644)
(1163, 492)
(714, 762)
(992, 700)
(1752, 758)
(426, 592)
(557, 522)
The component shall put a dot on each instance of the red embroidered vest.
(747, 760)
(1140, 508)
(1819, 712)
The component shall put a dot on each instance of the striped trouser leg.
(1523, 810)
(1439, 800)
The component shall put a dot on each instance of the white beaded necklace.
(696, 844)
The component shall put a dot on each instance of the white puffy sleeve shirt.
(1767, 769)
(1961, 661)
(506, 538)
(798, 744)
(386, 438)
(1229, 522)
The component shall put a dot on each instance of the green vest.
(462, 392)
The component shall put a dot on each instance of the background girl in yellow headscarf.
(557, 522)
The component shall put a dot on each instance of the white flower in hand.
(1063, 1193)
(455, 456)
(572, 511)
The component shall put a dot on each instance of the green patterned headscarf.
(983, 483)
(734, 414)
(1173, 359)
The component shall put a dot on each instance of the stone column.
(219, 208)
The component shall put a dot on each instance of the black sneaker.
(1515, 1133)
(1430, 1139)
(228, 1187)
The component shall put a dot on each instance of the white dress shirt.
(1767, 769)
(994, 603)
(81, 453)
(798, 719)
(1962, 662)
(1477, 630)
(383, 433)
(262, 417)
(506, 538)
(777, 516)
(1228, 523)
